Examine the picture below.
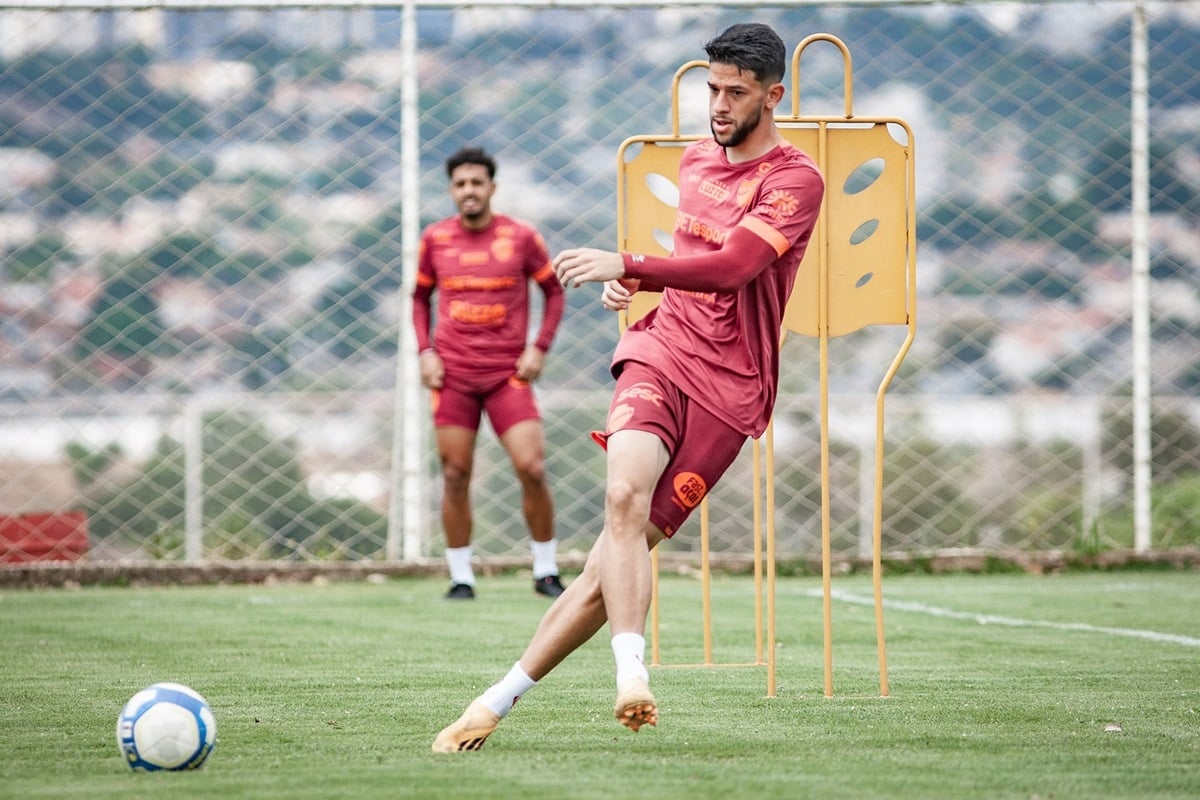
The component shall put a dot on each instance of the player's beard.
(478, 213)
(739, 132)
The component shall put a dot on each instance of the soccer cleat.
(469, 731)
(635, 705)
(460, 591)
(551, 586)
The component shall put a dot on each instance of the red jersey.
(482, 284)
(722, 348)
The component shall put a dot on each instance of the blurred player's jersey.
(481, 279)
(722, 349)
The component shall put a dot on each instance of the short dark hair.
(471, 155)
(752, 47)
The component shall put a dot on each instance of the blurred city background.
(206, 252)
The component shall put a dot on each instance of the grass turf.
(1001, 687)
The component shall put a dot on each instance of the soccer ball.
(167, 726)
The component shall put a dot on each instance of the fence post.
(1140, 269)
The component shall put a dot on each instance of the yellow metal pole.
(655, 650)
(706, 582)
(758, 566)
(823, 339)
(770, 502)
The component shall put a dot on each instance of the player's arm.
(432, 370)
(553, 307)
(533, 358)
(751, 247)
(422, 312)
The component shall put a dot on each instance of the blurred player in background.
(477, 359)
(695, 377)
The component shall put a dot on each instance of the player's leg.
(514, 415)
(689, 450)
(456, 449)
(636, 460)
(526, 450)
(572, 620)
(456, 417)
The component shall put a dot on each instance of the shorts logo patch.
(689, 488)
(642, 391)
(620, 415)
(517, 383)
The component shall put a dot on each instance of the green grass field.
(1001, 687)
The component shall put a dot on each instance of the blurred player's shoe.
(469, 731)
(551, 586)
(635, 705)
(460, 591)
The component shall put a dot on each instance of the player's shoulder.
(789, 163)
(791, 155)
(514, 228)
(702, 149)
(442, 229)
(515, 223)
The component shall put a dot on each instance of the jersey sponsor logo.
(503, 249)
(492, 314)
(690, 488)
(467, 282)
(713, 189)
(642, 391)
(781, 204)
(693, 226)
(473, 258)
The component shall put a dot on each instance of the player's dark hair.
(471, 155)
(751, 47)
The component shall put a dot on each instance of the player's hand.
(619, 294)
(588, 265)
(433, 371)
(529, 365)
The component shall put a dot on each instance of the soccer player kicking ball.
(695, 377)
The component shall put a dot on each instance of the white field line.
(1012, 622)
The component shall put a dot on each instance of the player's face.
(736, 101)
(471, 190)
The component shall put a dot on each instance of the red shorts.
(506, 401)
(700, 446)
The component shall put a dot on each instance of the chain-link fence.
(206, 260)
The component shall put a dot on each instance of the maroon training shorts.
(700, 446)
(506, 402)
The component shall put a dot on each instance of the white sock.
(459, 561)
(545, 558)
(629, 650)
(504, 694)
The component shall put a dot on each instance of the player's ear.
(774, 95)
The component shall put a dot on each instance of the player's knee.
(626, 499)
(531, 472)
(455, 477)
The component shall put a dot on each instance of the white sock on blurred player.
(459, 561)
(545, 558)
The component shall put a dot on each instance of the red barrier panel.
(51, 536)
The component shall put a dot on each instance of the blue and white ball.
(167, 726)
